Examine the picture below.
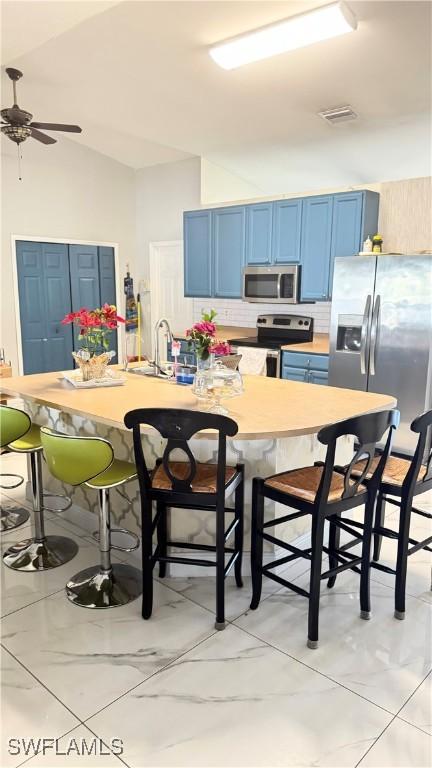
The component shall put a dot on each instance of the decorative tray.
(111, 379)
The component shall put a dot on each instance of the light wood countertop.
(226, 332)
(319, 346)
(268, 407)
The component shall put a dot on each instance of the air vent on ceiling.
(338, 114)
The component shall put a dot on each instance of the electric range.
(274, 332)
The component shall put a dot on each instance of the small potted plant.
(95, 329)
(202, 338)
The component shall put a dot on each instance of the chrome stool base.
(31, 555)
(11, 517)
(95, 588)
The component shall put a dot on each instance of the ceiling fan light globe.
(17, 133)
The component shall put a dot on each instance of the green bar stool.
(41, 552)
(13, 425)
(90, 461)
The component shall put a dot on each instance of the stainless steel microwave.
(272, 285)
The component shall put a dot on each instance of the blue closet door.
(84, 273)
(84, 277)
(107, 286)
(229, 247)
(44, 292)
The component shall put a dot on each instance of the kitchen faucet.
(162, 323)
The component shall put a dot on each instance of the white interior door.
(167, 286)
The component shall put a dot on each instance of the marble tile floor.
(177, 693)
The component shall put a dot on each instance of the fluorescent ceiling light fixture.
(287, 35)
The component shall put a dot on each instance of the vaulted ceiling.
(138, 79)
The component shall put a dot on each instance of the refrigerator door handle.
(374, 335)
(364, 334)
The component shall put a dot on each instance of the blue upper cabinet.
(355, 216)
(259, 219)
(229, 230)
(315, 248)
(287, 218)
(197, 253)
(309, 231)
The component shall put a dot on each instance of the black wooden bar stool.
(187, 485)
(324, 494)
(403, 478)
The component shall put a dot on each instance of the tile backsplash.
(243, 313)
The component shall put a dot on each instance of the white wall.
(163, 192)
(67, 191)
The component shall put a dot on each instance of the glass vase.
(204, 364)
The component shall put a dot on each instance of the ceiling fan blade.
(42, 137)
(57, 127)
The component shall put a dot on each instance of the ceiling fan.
(16, 122)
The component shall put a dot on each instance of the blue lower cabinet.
(318, 377)
(294, 374)
(309, 369)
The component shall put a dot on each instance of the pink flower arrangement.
(202, 336)
(220, 348)
(95, 326)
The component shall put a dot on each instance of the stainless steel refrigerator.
(381, 332)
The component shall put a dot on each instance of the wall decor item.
(95, 327)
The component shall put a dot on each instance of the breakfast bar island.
(278, 422)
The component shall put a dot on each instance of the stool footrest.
(134, 536)
(192, 545)
(381, 567)
(184, 560)
(420, 545)
(286, 583)
(295, 550)
(67, 499)
(421, 512)
(280, 561)
(16, 485)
